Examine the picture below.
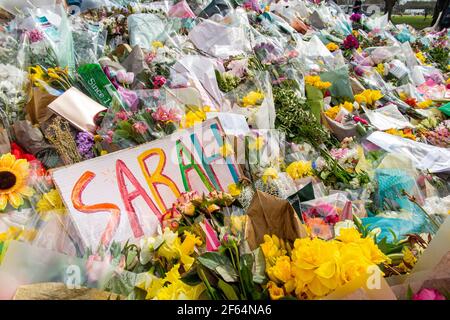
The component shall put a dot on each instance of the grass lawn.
(417, 22)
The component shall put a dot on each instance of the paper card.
(77, 108)
(124, 194)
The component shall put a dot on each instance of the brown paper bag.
(270, 215)
(37, 111)
(5, 146)
(30, 137)
(59, 291)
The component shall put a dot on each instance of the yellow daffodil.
(16, 233)
(253, 98)
(316, 267)
(272, 249)
(368, 97)
(281, 270)
(103, 152)
(401, 133)
(37, 74)
(257, 144)
(226, 150)
(194, 116)
(332, 46)
(424, 104)
(238, 223)
(157, 44)
(269, 173)
(380, 68)
(13, 181)
(332, 112)
(349, 235)
(50, 202)
(299, 169)
(187, 249)
(234, 189)
(420, 56)
(275, 292)
(315, 81)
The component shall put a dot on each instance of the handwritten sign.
(125, 194)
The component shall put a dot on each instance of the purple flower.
(355, 17)
(351, 42)
(85, 142)
(130, 97)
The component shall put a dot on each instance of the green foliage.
(295, 120)
(226, 81)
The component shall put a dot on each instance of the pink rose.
(428, 294)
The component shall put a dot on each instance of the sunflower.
(13, 178)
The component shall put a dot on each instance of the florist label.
(125, 194)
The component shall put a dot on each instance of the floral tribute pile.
(344, 167)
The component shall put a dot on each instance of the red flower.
(18, 152)
(411, 102)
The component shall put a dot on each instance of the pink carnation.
(158, 81)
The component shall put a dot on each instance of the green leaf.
(122, 133)
(220, 264)
(228, 290)
(191, 277)
(409, 293)
(259, 266)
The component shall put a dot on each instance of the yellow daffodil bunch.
(368, 97)
(269, 173)
(175, 249)
(194, 116)
(407, 134)
(315, 81)
(333, 111)
(315, 267)
(15, 233)
(380, 68)
(300, 169)
(332, 46)
(157, 44)
(172, 248)
(252, 99)
(420, 56)
(234, 189)
(424, 104)
(171, 287)
(54, 77)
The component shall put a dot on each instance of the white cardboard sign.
(124, 194)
